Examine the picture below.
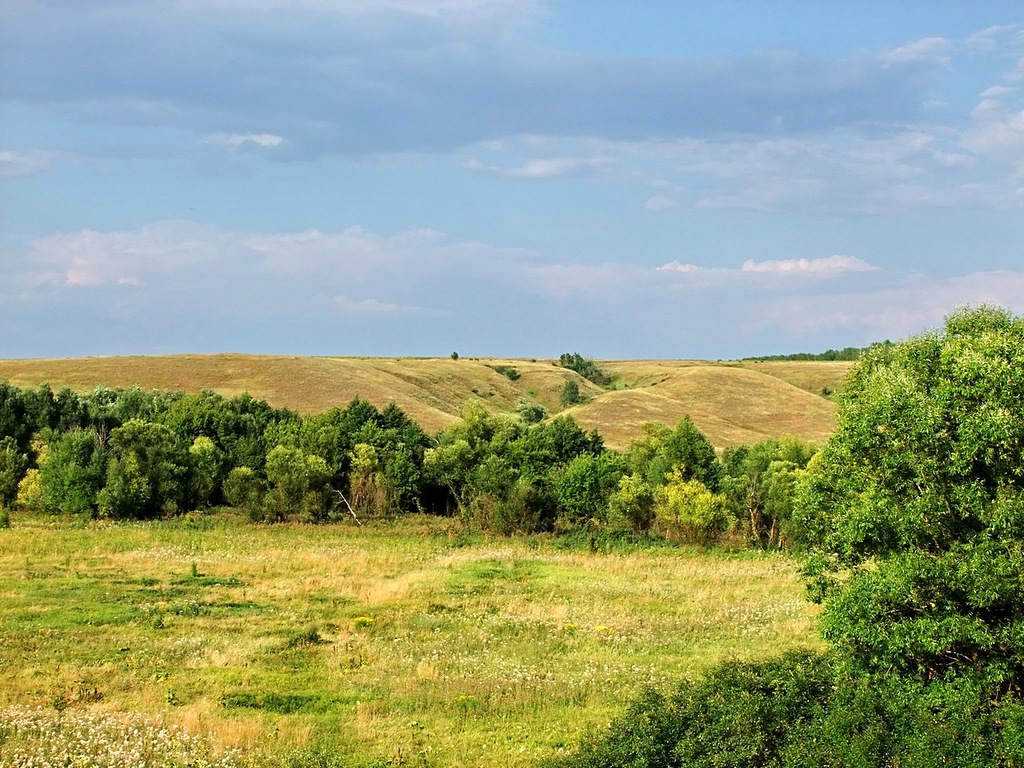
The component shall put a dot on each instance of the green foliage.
(13, 464)
(508, 371)
(687, 511)
(685, 448)
(761, 482)
(570, 394)
(582, 488)
(844, 354)
(501, 474)
(207, 462)
(298, 485)
(919, 498)
(30, 492)
(14, 421)
(807, 711)
(914, 512)
(632, 504)
(148, 474)
(585, 367)
(531, 413)
(74, 472)
(244, 489)
(742, 715)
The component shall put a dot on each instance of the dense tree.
(582, 489)
(299, 485)
(570, 394)
(531, 413)
(585, 367)
(207, 464)
(13, 464)
(686, 510)
(148, 472)
(14, 421)
(73, 472)
(916, 511)
(918, 505)
(660, 450)
(244, 489)
(760, 482)
(631, 504)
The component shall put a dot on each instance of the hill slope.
(732, 403)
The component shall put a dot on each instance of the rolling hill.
(732, 403)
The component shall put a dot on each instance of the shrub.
(687, 511)
(632, 504)
(243, 489)
(739, 715)
(585, 367)
(570, 394)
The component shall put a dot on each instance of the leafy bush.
(570, 394)
(632, 504)
(585, 367)
(739, 715)
(806, 711)
(687, 511)
(508, 371)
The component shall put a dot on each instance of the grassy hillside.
(731, 402)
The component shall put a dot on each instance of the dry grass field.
(732, 403)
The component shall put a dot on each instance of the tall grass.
(408, 643)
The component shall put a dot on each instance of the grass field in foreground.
(410, 642)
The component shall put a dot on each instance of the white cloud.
(23, 163)
(90, 258)
(926, 49)
(172, 256)
(894, 309)
(542, 168)
(371, 306)
(830, 266)
(696, 276)
(414, 290)
(235, 140)
(988, 39)
(991, 38)
(562, 281)
(661, 203)
(681, 267)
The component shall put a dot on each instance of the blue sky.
(706, 179)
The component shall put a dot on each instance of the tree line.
(129, 453)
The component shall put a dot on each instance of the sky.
(708, 179)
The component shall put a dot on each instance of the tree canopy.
(917, 504)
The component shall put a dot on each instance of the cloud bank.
(355, 291)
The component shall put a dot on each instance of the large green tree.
(148, 474)
(917, 505)
(73, 472)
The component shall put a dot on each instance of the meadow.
(414, 642)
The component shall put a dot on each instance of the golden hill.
(732, 403)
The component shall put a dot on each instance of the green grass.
(414, 642)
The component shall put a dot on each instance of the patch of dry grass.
(731, 403)
(732, 406)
